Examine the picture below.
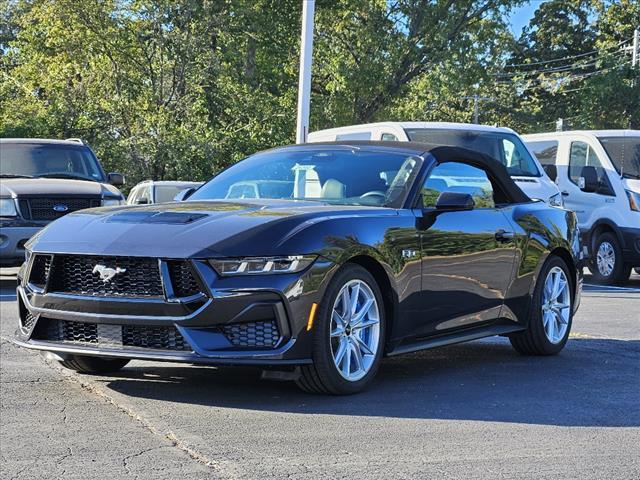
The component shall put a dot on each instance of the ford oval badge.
(60, 208)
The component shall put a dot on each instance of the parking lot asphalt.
(475, 410)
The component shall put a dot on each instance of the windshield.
(341, 177)
(507, 148)
(624, 153)
(166, 193)
(49, 160)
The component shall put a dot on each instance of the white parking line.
(589, 287)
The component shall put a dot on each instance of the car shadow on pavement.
(593, 382)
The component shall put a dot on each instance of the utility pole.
(560, 125)
(636, 47)
(476, 105)
(304, 80)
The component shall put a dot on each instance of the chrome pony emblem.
(106, 273)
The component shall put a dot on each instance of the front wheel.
(608, 266)
(94, 365)
(551, 312)
(348, 335)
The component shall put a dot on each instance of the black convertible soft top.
(443, 154)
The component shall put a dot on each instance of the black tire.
(621, 271)
(534, 341)
(322, 377)
(94, 365)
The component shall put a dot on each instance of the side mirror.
(142, 201)
(184, 194)
(588, 181)
(551, 171)
(115, 179)
(455, 201)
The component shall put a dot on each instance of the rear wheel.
(607, 265)
(348, 338)
(94, 365)
(551, 312)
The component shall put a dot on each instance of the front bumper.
(210, 328)
(12, 240)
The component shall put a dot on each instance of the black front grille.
(262, 334)
(28, 320)
(159, 338)
(112, 336)
(81, 275)
(40, 270)
(182, 279)
(53, 208)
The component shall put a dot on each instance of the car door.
(467, 256)
(584, 204)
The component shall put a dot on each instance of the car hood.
(538, 188)
(15, 187)
(196, 229)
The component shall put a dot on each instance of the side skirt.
(453, 338)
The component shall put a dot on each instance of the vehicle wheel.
(94, 365)
(607, 265)
(348, 335)
(551, 312)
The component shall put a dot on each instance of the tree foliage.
(180, 89)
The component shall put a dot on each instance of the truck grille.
(262, 334)
(113, 336)
(134, 277)
(44, 208)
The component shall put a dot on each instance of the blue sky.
(521, 15)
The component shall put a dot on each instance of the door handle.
(565, 194)
(504, 236)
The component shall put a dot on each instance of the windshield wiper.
(631, 175)
(14, 175)
(65, 175)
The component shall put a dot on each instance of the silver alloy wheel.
(556, 305)
(606, 259)
(355, 330)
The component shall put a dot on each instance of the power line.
(564, 68)
(542, 62)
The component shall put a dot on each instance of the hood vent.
(173, 218)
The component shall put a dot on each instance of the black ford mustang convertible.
(317, 259)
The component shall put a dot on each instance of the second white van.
(598, 173)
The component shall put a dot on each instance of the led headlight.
(634, 200)
(112, 202)
(262, 265)
(556, 200)
(8, 207)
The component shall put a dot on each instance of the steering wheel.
(374, 193)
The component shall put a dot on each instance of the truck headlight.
(8, 207)
(634, 200)
(112, 202)
(261, 265)
(556, 200)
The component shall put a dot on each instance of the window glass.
(546, 151)
(133, 195)
(582, 155)
(458, 177)
(505, 147)
(166, 193)
(624, 153)
(354, 136)
(49, 160)
(338, 176)
(388, 137)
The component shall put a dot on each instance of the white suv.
(598, 172)
(503, 144)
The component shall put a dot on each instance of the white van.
(502, 144)
(598, 173)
